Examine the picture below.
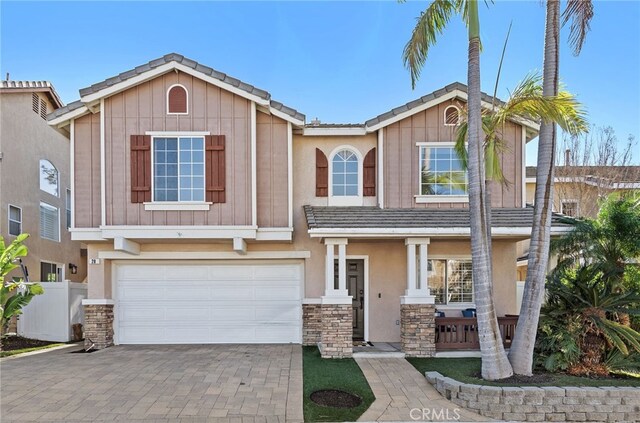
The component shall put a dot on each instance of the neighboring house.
(214, 214)
(578, 192)
(35, 182)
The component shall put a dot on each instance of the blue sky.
(338, 61)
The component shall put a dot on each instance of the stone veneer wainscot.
(98, 325)
(336, 338)
(418, 330)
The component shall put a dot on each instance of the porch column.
(417, 306)
(336, 332)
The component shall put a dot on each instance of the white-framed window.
(450, 281)
(442, 174)
(177, 100)
(49, 222)
(68, 208)
(15, 220)
(178, 169)
(51, 272)
(49, 177)
(451, 116)
(345, 172)
(570, 208)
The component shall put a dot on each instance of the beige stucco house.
(214, 214)
(35, 182)
(579, 192)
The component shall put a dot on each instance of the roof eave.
(496, 232)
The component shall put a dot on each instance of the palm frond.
(580, 13)
(430, 24)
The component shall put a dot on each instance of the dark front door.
(355, 286)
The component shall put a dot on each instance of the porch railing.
(461, 333)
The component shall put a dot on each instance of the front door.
(355, 287)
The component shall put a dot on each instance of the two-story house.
(214, 214)
(35, 182)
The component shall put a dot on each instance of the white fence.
(49, 316)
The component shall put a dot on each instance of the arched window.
(177, 97)
(451, 116)
(345, 174)
(48, 177)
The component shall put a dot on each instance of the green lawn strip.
(466, 370)
(343, 374)
(26, 350)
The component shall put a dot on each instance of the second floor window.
(15, 220)
(48, 177)
(344, 174)
(441, 171)
(178, 169)
(49, 222)
(68, 207)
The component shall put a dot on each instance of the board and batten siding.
(87, 171)
(143, 108)
(401, 160)
(272, 168)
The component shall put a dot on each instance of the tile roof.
(374, 217)
(174, 57)
(614, 173)
(33, 85)
(425, 99)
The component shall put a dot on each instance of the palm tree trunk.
(521, 353)
(495, 364)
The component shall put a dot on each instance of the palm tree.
(526, 102)
(431, 23)
(580, 13)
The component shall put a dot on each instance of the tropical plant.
(579, 12)
(525, 103)
(431, 23)
(593, 313)
(14, 295)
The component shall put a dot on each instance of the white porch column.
(417, 291)
(330, 289)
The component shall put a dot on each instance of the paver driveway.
(234, 383)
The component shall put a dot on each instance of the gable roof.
(33, 86)
(162, 65)
(452, 91)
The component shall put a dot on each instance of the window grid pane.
(442, 172)
(179, 169)
(344, 178)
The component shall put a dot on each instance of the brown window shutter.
(140, 168)
(177, 100)
(369, 173)
(215, 168)
(322, 174)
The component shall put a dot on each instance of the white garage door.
(212, 303)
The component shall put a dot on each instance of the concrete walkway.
(403, 394)
(164, 383)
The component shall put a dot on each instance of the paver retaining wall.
(539, 404)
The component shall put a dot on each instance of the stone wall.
(548, 403)
(98, 325)
(418, 330)
(336, 338)
(311, 324)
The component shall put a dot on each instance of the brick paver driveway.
(234, 383)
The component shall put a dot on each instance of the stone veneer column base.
(98, 325)
(418, 330)
(311, 324)
(336, 337)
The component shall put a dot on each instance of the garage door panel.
(208, 303)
